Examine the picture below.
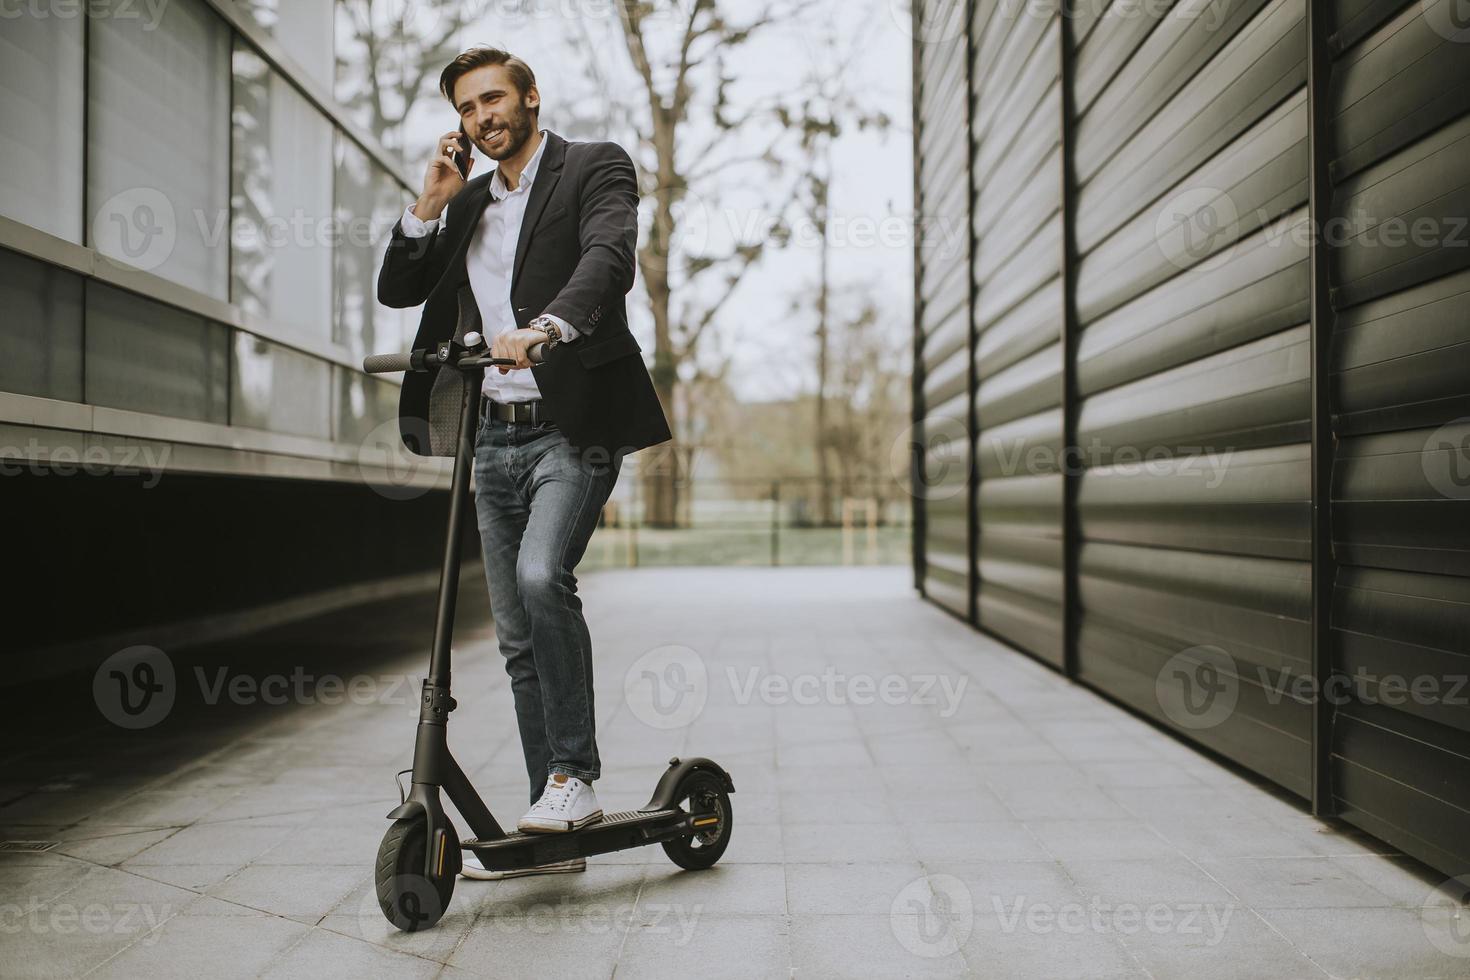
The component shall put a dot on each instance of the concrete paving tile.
(736, 889)
(1081, 840)
(301, 892)
(1225, 943)
(736, 947)
(937, 843)
(1389, 943)
(209, 844)
(860, 843)
(324, 954)
(1168, 881)
(1296, 883)
(187, 947)
(113, 848)
(847, 889)
(874, 946)
(1045, 941)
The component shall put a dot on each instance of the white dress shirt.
(491, 261)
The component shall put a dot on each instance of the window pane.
(280, 389)
(158, 147)
(147, 357)
(369, 203)
(363, 404)
(303, 28)
(41, 121)
(281, 196)
(41, 331)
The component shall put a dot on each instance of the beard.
(518, 129)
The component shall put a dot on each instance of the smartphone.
(462, 158)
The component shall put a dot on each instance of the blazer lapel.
(547, 175)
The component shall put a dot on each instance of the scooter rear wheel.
(702, 793)
(410, 899)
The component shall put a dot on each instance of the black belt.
(530, 411)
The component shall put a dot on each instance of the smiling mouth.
(494, 135)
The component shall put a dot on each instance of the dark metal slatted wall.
(1148, 297)
(1192, 367)
(1017, 272)
(1400, 390)
(942, 316)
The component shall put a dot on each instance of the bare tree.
(691, 71)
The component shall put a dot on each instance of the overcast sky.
(870, 238)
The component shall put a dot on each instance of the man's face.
(495, 114)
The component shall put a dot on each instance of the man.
(546, 244)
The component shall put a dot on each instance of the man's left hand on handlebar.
(516, 344)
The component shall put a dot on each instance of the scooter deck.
(614, 832)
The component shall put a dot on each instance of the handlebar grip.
(387, 363)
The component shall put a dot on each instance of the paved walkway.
(911, 800)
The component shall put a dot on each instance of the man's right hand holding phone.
(442, 180)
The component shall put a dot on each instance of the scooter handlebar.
(419, 360)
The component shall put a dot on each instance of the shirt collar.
(498, 190)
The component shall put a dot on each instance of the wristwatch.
(547, 326)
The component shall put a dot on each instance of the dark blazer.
(575, 258)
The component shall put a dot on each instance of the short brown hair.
(480, 56)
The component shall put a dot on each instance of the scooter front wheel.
(410, 899)
(703, 795)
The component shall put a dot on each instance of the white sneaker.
(474, 869)
(566, 804)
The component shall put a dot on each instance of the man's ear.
(532, 99)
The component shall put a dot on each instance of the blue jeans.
(537, 500)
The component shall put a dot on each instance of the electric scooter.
(420, 856)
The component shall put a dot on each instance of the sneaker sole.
(562, 826)
(570, 867)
